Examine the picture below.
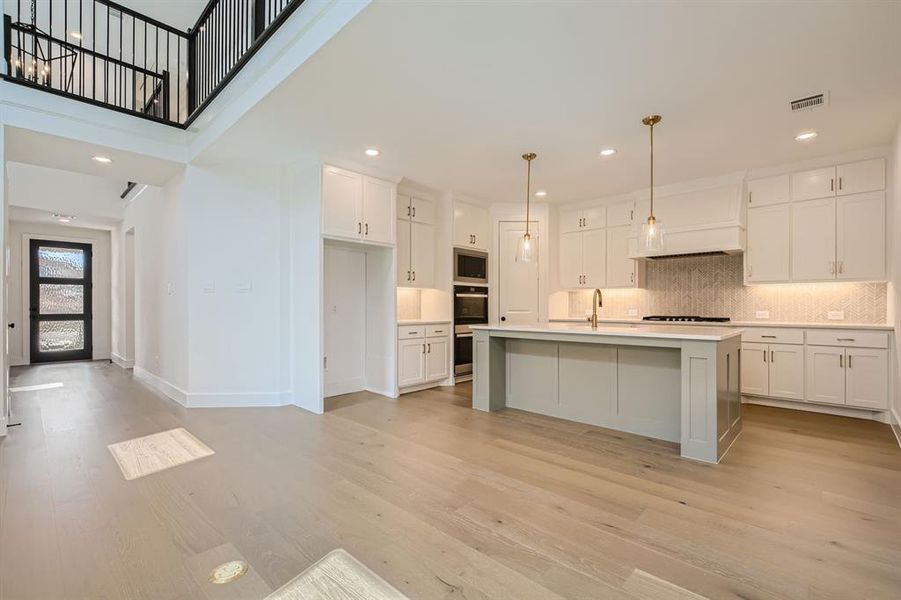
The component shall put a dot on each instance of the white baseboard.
(857, 413)
(896, 425)
(161, 385)
(122, 362)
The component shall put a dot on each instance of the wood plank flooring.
(439, 500)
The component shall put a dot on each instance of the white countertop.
(714, 334)
(423, 322)
(833, 325)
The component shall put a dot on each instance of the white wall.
(4, 235)
(65, 192)
(20, 233)
(894, 184)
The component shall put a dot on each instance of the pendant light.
(652, 230)
(525, 248)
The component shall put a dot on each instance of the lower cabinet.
(423, 354)
(855, 377)
(775, 370)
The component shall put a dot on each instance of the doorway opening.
(60, 301)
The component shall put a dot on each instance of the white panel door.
(437, 358)
(404, 270)
(769, 254)
(818, 183)
(410, 362)
(422, 255)
(866, 384)
(863, 176)
(342, 193)
(594, 258)
(787, 371)
(422, 211)
(571, 260)
(620, 214)
(594, 218)
(825, 367)
(771, 190)
(378, 210)
(344, 297)
(754, 369)
(518, 281)
(620, 268)
(570, 220)
(860, 236)
(813, 240)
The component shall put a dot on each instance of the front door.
(60, 301)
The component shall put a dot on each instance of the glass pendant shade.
(524, 249)
(652, 234)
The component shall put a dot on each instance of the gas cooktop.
(688, 318)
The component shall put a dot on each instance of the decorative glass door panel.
(60, 301)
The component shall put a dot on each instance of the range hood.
(699, 219)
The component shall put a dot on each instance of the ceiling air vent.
(810, 102)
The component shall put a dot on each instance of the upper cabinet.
(415, 242)
(357, 207)
(582, 219)
(472, 226)
(850, 178)
(820, 225)
(415, 209)
(583, 259)
(771, 190)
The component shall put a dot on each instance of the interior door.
(60, 301)
(344, 295)
(518, 293)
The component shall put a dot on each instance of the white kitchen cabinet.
(767, 258)
(825, 374)
(813, 240)
(622, 271)
(754, 369)
(582, 219)
(342, 202)
(861, 176)
(583, 259)
(769, 191)
(437, 358)
(422, 255)
(620, 214)
(816, 183)
(357, 207)
(860, 236)
(786, 371)
(472, 226)
(404, 268)
(410, 362)
(866, 378)
(775, 370)
(855, 377)
(416, 209)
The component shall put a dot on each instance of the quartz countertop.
(423, 321)
(831, 325)
(714, 334)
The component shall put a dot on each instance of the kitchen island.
(679, 384)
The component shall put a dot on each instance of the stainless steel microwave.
(470, 266)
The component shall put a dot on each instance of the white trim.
(125, 363)
(896, 425)
(419, 387)
(840, 411)
(161, 385)
(237, 399)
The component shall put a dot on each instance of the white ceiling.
(454, 93)
(180, 14)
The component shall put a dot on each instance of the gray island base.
(679, 384)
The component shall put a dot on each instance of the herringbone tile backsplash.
(712, 286)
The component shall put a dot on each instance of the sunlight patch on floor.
(157, 452)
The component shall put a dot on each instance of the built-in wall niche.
(427, 304)
(358, 319)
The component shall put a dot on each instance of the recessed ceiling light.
(541, 193)
(806, 136)
(372, 152)
(63, 218)
(76, 35)
(102, 159)
(608, 152)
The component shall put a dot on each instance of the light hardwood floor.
(439, 500)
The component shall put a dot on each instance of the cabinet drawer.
(405, 332)
(774, 335)
(847, 338)
(437, 330)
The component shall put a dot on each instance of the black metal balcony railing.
(106, 54)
